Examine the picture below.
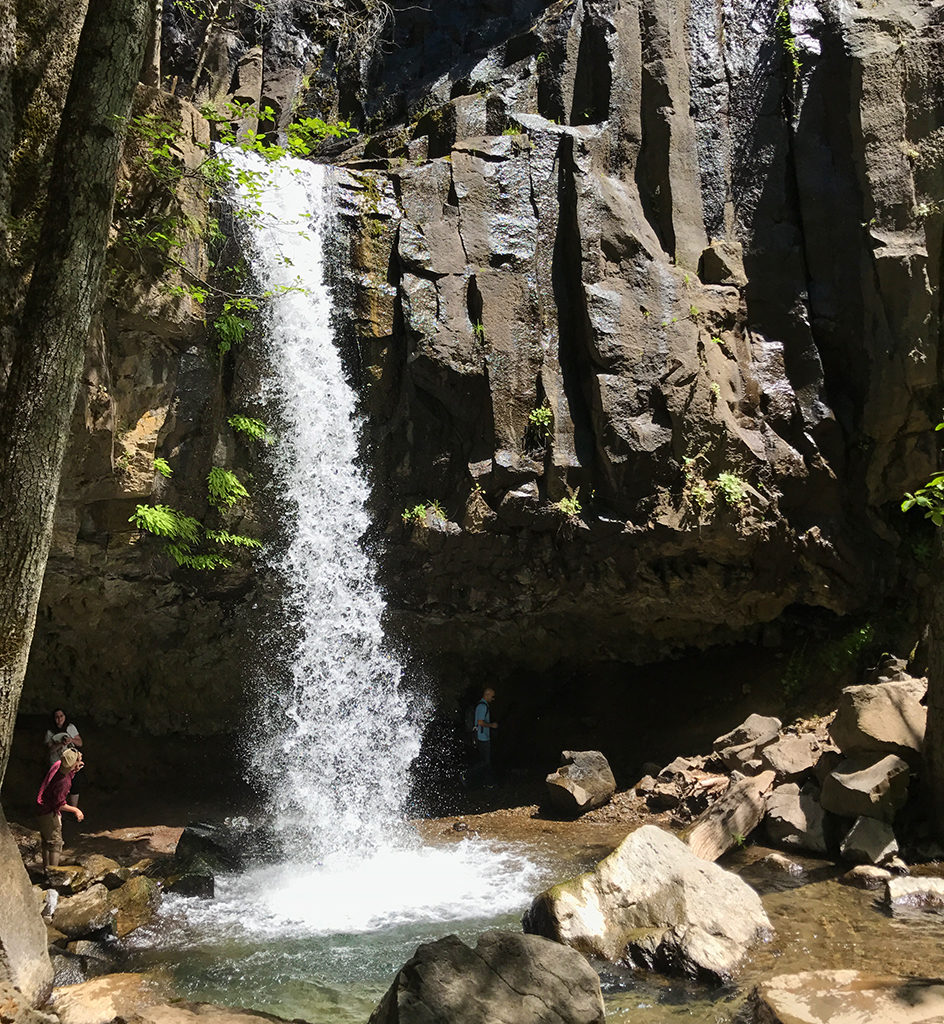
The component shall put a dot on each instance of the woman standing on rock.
(51, 801)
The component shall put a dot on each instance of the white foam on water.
(390, 889)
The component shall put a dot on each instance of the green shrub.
(570, 505)
(733, 489)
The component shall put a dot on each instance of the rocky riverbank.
(851, 906)
(817, 921)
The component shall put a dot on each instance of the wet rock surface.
(652, 901)
(845, 997)
(505, 979)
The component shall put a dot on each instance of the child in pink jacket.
(51, 802)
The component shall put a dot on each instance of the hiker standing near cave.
(51, 802)
(61, 735)
(483, 733)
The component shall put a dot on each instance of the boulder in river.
(86, 913)
(196, 879)
(845, 997)
(875, 788)
(507, 979)
(582, 782)
(919, 893)
(657, 904)
(867, 876)
(134, 903)
(234, 843)
(869, 841)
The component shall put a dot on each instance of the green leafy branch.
(188, 541)
(252, 428)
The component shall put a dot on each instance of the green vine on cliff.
(159, 184)
(929, 498)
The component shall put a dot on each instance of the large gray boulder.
(882, 718)
(657, 904)
(845, 997)
(866, 786)
(583, 781)
(507, 979)
(24, 962)
(795, 819)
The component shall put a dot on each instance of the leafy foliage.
(930, 498)
(733, 489)
(163, 467)
(570, 505)
(253, 428)
(163, 521)
(541, 417)
(305, 133)
(418, 513)
(224, 488)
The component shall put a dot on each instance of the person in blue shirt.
(483, 732)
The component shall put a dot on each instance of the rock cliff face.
(645, 310)
(703, 252)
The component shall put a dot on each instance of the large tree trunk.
(7, 120)
(54, 328)
(933, 767)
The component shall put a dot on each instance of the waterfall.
(335, 760)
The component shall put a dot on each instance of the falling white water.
(337, 760)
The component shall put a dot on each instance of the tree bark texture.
(151, 72)
(53, 331)
(7, 60)
(933, 765)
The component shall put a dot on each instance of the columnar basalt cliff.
(645, 311)
(709, 246)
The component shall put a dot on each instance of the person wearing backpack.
(483, 733)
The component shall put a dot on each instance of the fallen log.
(730, 818)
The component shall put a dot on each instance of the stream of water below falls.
(323, 942)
